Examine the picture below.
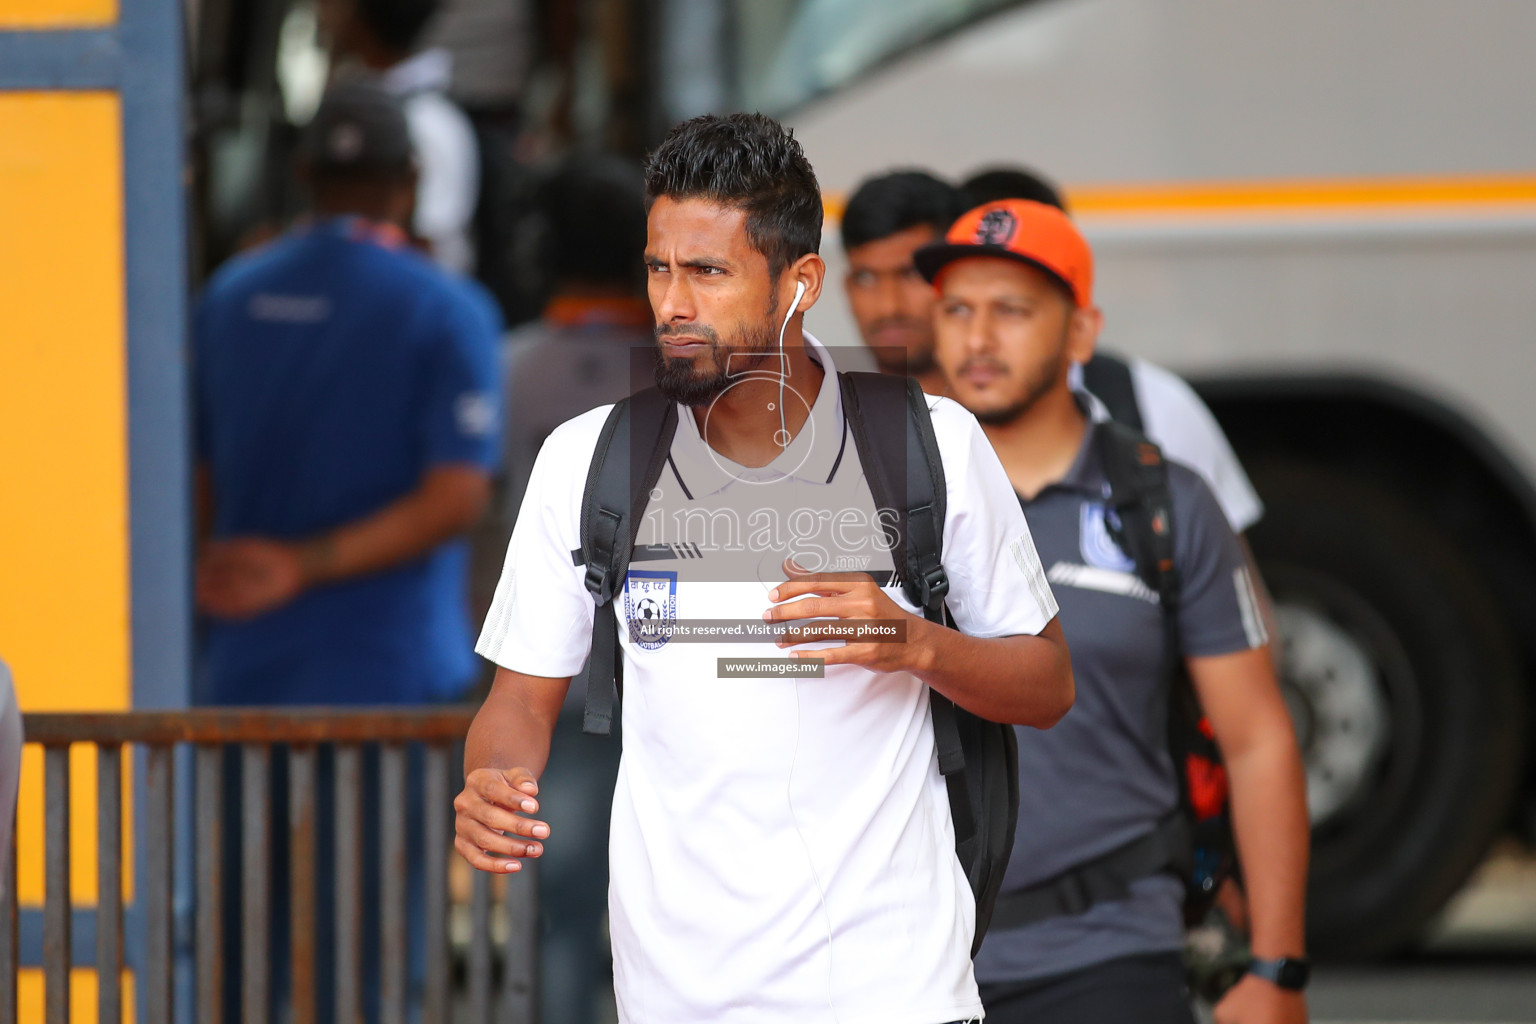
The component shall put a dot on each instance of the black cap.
(359, 128)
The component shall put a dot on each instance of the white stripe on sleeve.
(1028, 560)
(1248, 602)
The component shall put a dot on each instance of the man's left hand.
(844, 595)
(1256, 1001)
(244, 577)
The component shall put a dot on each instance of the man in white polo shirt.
(782, 847)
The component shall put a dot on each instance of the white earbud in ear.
(782, 437)
(790, 314)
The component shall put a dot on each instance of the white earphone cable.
(782, 437)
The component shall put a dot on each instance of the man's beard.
(702, 379)
(1036, 387)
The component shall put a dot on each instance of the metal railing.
(303, 731)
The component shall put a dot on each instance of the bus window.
(792, 52)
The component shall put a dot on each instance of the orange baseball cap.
(1031, 233)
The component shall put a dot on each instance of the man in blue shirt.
(347, 417)
(347, 426)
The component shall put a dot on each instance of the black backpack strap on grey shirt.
(1142, 499)
(1141, 502)
(631, 450)
(1102, 880)
(978, 759)
(1109, 379)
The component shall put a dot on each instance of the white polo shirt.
(1185, 429)
(447, 156)
(781, 848)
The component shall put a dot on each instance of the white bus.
(1323, 212)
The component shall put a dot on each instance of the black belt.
(1107, 878)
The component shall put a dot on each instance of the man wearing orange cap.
(1090, 924)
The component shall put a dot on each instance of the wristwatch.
(1287, 972)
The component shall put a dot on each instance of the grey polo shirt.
(550, 372)
(1102, 777)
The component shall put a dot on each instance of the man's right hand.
(491, 829)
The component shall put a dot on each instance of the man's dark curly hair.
(996, 183)
(750, 162)
(398, 24)
(889, 203)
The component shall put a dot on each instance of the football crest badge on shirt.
(650, 607)
(1098, 543)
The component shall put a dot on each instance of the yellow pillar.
(64, 579)
(57, 13)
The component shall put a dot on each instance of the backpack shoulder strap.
(906, 478)
(631, 450)
(1109, 379)
(1140, 497)
(1142, 500)
(1136, 468)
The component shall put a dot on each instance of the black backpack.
(1140, 501)
(978, 758)
(1195, 841)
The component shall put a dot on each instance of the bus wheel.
(1400, 676)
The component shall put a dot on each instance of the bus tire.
(1408, 786)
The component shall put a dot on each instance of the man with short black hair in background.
(888, 218)
(575, 357)
(1009, 182)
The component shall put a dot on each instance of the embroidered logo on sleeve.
(475, 414)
